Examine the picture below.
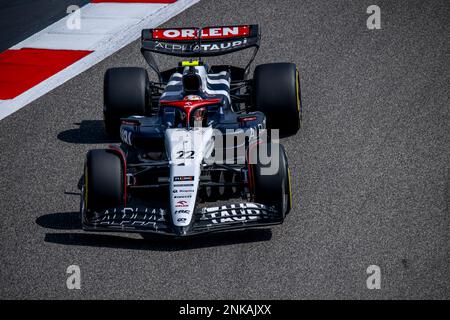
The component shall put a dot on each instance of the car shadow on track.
(71, 221)
(88, 132)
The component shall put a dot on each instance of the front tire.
(104, 184)
(273, 189)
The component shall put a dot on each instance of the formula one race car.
(200, 135)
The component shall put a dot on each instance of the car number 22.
(185, 154)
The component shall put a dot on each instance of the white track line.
(111, 31)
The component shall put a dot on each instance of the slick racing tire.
(126, 93)
(276, 93)
(273, 189)
(104, 184)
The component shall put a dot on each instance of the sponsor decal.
(224, 45)
(194, 47)
(181, 211)
(188, 190)
(185, 196)
(176, 34)
(225, 32)
(205, 33)
(235, 213)
(125, 136)
(128, 216)
(183, 185)
(175, 191)
(181, 204)
(181, 219)
(183, 178)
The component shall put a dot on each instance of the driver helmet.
(200, 116)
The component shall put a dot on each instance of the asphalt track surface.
(370, 171)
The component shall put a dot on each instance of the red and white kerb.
(52, 56)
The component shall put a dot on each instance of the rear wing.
(199, 42)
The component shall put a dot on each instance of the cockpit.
(194, 98)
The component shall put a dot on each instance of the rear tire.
(277, 95)
(126, 93)
(274, 189)
(103, 180)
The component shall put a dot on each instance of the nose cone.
(181, 231)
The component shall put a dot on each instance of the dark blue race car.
(189, 159)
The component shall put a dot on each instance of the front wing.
(158, 220)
